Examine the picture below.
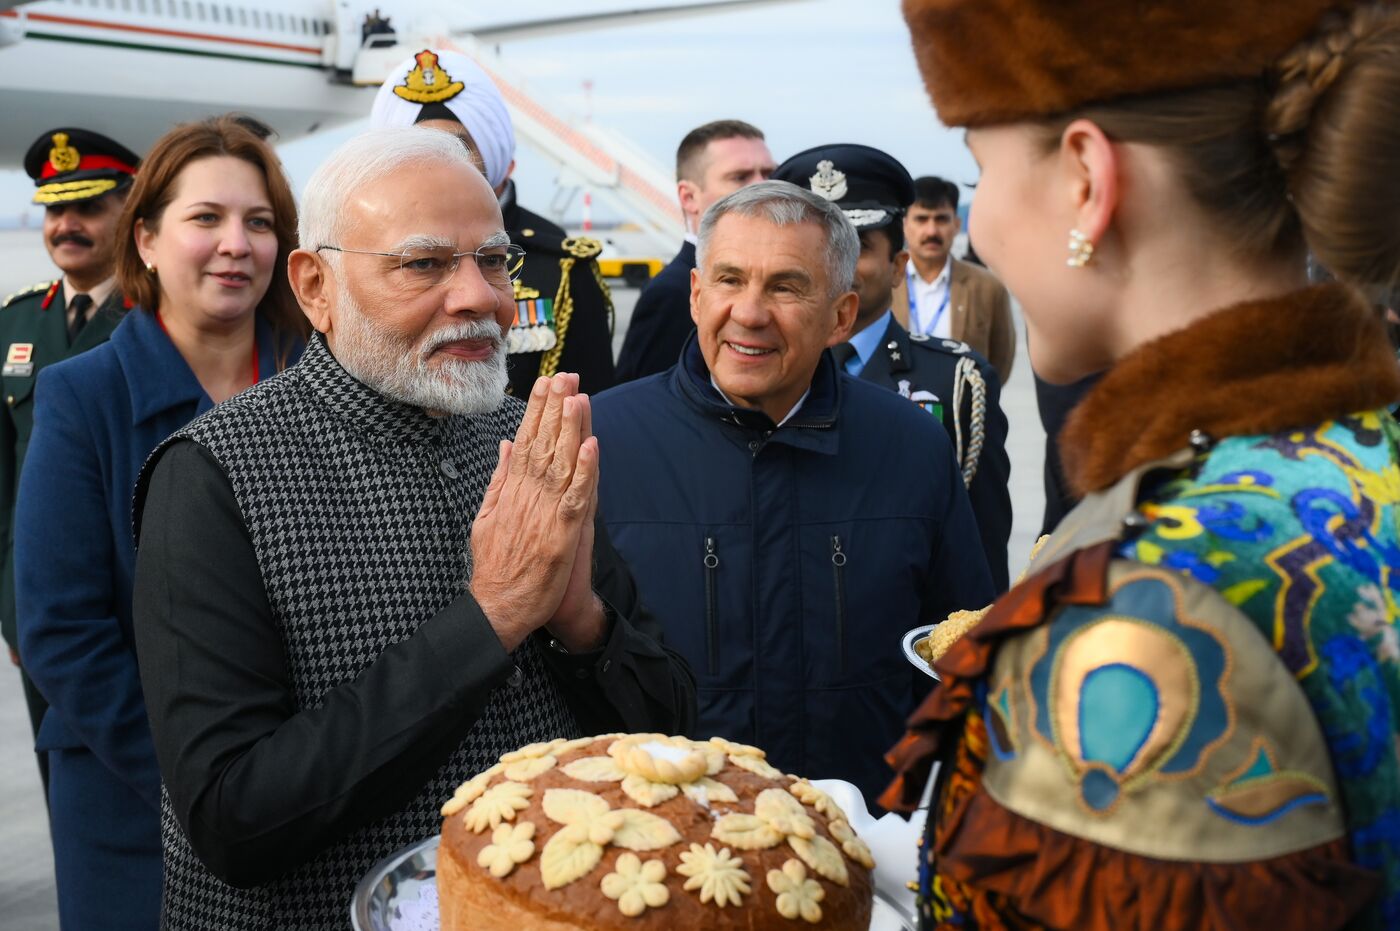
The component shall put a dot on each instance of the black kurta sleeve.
(259, 784)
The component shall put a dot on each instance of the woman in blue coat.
(205, 235)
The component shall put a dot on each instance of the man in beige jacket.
(951, 299)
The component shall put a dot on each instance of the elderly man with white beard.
(338, 619)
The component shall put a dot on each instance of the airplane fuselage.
(132, 70)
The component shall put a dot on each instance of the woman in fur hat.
(1186, 716)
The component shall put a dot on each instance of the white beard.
(391, 365)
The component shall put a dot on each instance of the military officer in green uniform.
(564, 313)
(82, 178)
(942, 376)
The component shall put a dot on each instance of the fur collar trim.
(1254, 368)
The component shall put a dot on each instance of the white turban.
(457, 83)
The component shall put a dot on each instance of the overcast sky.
(806, 72)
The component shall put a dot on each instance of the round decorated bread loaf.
(645, 831)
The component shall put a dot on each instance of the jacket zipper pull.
(838, 565)
(711, 608)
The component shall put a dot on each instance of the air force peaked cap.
(870, 186)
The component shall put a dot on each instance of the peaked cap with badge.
(564, 313)
(70, 165)
(872, 188)
(946, 378)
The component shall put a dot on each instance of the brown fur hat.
(1001, 61)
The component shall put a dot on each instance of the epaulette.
(956, 347)
(32, 289)
(582, 247)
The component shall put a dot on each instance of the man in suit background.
(81, 179)
(712, 162)
(942, 297)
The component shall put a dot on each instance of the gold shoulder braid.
(577, 248)
(32, 289)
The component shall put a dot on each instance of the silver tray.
(911, 638)
(400, 894)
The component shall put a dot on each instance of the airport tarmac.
(27, 898)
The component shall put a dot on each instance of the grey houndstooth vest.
(360, 511)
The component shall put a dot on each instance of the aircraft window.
(126, 5)
(186, 5)
(228, 14)
(140, 6)
(214, 12)
(257, 19)
(242, 16)
(282, 21)
(305, 26)
(199, 10)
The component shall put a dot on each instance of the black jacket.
(660, 322)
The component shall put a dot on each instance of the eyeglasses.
(424, 268)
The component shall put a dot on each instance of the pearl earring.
(1081, 250)
(151, 268)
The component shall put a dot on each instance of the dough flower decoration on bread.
(510, 846)
(719, 876)
(590, 824)
(750, 758)
(854, 847)
(777, 817)
(536, 759)
(636, 886)
(654, 768)
(798, 896)
(823, 803)
(498, 803)
(469, 791)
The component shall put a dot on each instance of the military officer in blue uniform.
(81, 180)
(944, 377)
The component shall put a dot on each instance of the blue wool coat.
(785, 563)
(97, 417)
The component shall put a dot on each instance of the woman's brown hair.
(1307, 157)
(155, 188)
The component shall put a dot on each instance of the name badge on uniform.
(925, 399)
(533, 330)
(19, 361)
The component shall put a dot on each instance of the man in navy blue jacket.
(786, 522)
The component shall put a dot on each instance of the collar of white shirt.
(790, 414)
(939, 280)
(98, 294)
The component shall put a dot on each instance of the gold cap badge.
(63, 157)
(427, 82)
